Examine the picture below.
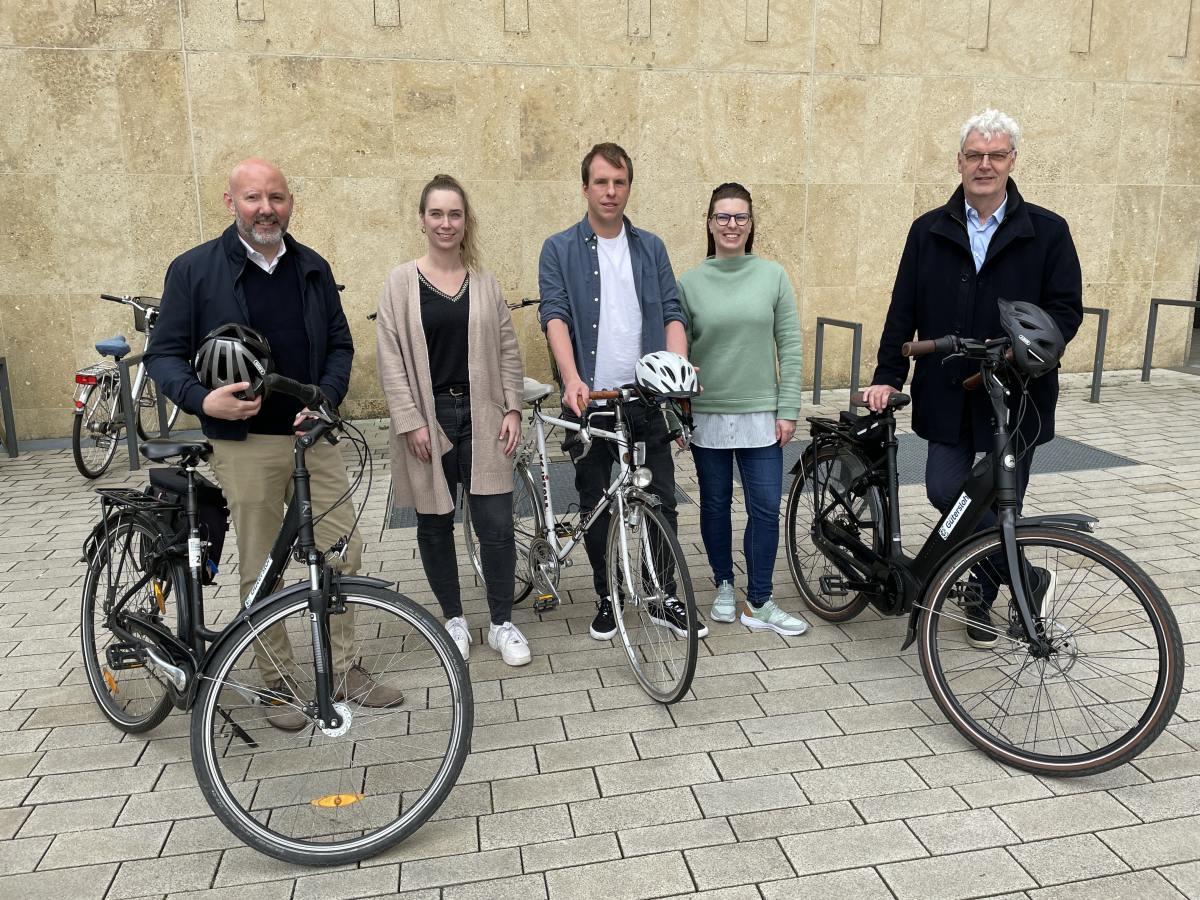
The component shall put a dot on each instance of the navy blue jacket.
(203, 291)
(569, 282)
(938, 292)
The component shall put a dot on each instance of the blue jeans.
(761, 469)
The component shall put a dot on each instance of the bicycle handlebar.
(525, 301)
(603, 395)
(947, 344)
(308, 394)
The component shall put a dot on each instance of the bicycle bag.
(169, 484)
(866, 431)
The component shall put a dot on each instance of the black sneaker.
(604, 626)
(672, 613)
(1043, 592)
(981, 632)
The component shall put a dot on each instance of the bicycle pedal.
(122, 657)
(833, 586)
(545, 603)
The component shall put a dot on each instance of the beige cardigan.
(494, 362)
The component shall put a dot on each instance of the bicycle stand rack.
(818, 361)
(1101, 341)
(1152, 326)
(131, 414)
(10, 425)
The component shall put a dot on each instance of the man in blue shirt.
(608, 297)
(984, 244)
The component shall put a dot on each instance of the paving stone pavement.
(815, 766)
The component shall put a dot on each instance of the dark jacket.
(203, 291)
(569, 282)
(937, 292)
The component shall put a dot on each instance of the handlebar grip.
(603, 395)
(308, 394)
(947, 344)
(113, 298)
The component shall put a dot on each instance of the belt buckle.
(456, 392)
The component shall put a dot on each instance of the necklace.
(462, 288)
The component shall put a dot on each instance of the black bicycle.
(1045, 647)
(359, 774)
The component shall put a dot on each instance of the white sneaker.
(460, 634)
(724, 608)
(508, 641)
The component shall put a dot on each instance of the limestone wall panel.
(863, 129)
(131, 24)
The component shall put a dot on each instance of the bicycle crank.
(544, 570)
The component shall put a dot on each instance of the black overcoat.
(938, 292)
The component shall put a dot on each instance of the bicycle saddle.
(158, 449)
(534, 390)
(113, 346)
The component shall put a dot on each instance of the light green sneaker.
(770, 617)
(724, 608)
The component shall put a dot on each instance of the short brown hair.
(613, 154)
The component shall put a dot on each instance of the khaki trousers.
(256, 477)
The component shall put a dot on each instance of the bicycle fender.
(1075, 521)
(804, 457)
(300, 587)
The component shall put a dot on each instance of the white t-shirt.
(619, 342)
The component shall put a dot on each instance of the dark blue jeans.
(491, 515)
(761, 469)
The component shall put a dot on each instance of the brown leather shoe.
(282, 711)
(359, 687)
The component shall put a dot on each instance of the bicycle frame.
(987, 485)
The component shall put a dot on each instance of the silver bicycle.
(648, 579)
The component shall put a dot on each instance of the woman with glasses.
(744, 337)
(451, 372)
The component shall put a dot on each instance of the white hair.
(989, 123)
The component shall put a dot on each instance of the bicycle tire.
(528, 520)
(314, 798)
(809, 491)
(1011, 705)
(101, 412)
(137, 701)
(147, 421)
(660, 637)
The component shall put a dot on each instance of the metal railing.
(6, 406)
(818, 362)
(1152, 326)
(1101, 341)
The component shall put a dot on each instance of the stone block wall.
(120, 119)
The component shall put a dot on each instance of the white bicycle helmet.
(666, 374)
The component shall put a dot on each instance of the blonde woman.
(451, 372)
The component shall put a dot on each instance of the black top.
(275, 307)
(444, 318)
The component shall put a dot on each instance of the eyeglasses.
(740, 219)
(973, 158)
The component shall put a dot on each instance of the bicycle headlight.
(641, 477)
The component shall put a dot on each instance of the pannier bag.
(169, 484)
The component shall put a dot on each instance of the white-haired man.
(984, 244)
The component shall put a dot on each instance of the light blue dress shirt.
(981, 233)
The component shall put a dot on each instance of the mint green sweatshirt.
(744, 334)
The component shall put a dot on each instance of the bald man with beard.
(257, 274)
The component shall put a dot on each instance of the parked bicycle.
(99, 425)
(1086, 661)
(358, 777)
(648, 578)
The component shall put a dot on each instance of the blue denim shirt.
(569, 282)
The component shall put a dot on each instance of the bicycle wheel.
(316, 796)
(97, 429)
(527, 525)
(656, 611)
(832, 484)
(147, 404)
(1110, 683)
(127, 574)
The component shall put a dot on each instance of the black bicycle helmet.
(234, 353)
(1037, 344)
